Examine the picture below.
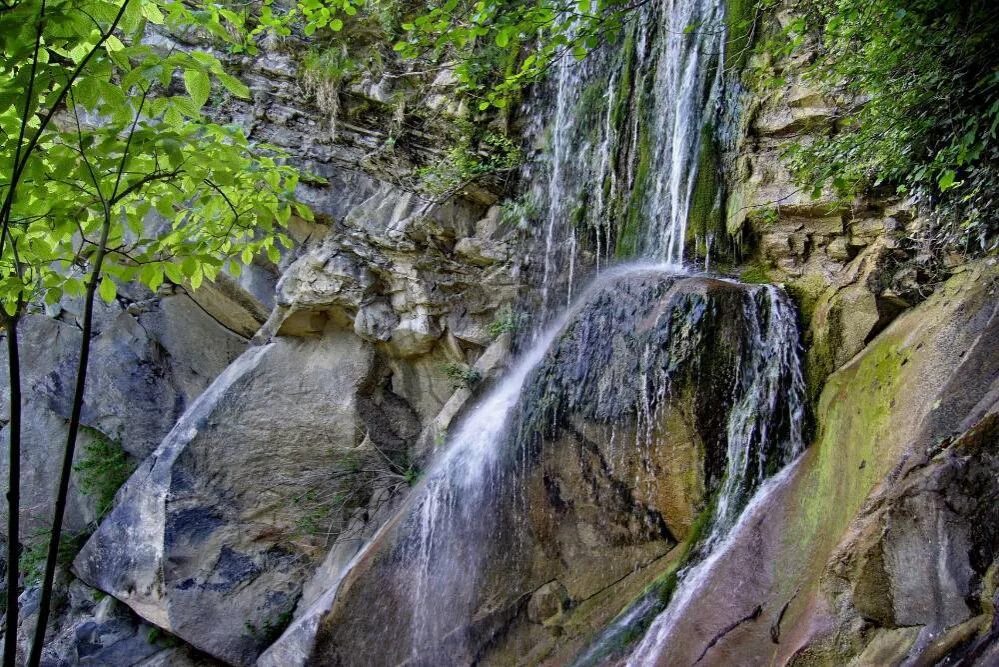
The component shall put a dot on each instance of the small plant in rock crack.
(519, 211)
(269, 630)
(322, 74)
(462, 375)
(157, 637)
(316, 512)
(506, 321)
(102, 470)
(332, 503)
(32, 560)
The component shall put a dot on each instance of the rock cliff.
(292, 500)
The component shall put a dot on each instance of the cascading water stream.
(683, 97)
(449, 516)
(775, 375)
(669, 76)
(679, 39)
(648, 160)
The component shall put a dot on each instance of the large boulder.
(299, 447)
(620, 435)
(151, 356)
(214, 535)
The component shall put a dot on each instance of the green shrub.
(462, 375)
(102, 470)
(473, 156)
(32, 560)
(916, 84)
(755, 273)
(506, 321)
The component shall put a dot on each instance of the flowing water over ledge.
(563, 475)
(625, 130)
(642, 418)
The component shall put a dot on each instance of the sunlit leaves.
(107, 289)
(198, 86)
(495, 47)
(130, 158)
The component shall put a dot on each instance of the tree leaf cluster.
(110, 172)
(98, 124)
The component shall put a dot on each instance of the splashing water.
(450, 515)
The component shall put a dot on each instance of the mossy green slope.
(876, 415)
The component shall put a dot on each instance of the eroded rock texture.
(152, 355)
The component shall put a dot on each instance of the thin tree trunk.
(13, 492)
(51, 561)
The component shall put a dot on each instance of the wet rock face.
(621, 434)
(650, 343)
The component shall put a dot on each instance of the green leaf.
(198, 85)
(107, 289)
(234, 86)
(947, 180)
(188, 266)
(196, 278)
(173, 272)
(152, 12)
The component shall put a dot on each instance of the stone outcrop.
(152, 355)
(238, 505)
(853, 263)
(879, 546)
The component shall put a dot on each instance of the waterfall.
(671, 62)
(775, 360)
(448, 523)
(763, 435)
(625, 130)
(685, 91)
